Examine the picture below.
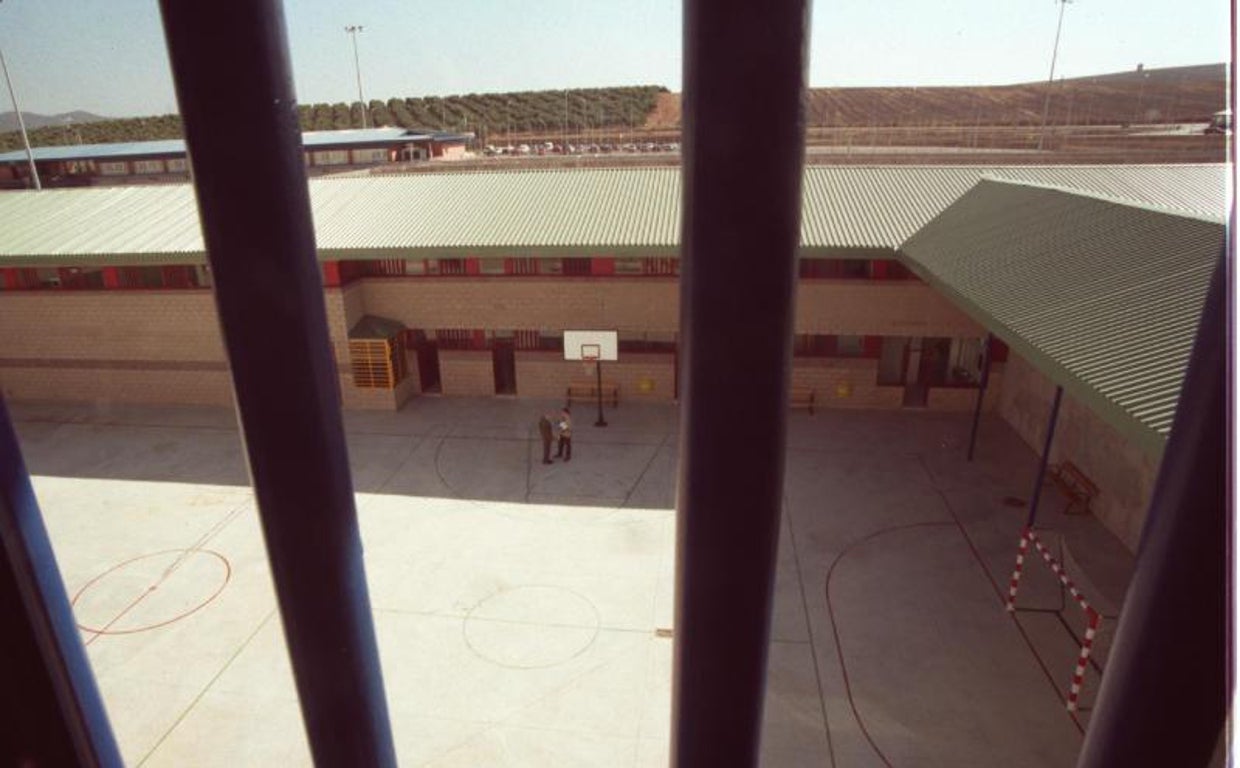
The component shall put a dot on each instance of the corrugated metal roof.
(353, 136)
(98, 151)
(544, 211)
(309, 139)
(1101, 296)
(867, 207)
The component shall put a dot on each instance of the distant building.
(165, 160)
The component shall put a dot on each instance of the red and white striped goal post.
(1093, 618)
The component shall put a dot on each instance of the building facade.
(462, 284)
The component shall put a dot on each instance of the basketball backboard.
(587, 345)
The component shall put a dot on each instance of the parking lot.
(523, 611)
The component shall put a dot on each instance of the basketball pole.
(598, 389)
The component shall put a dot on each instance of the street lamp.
(352, 31)
(21, 123)
(1050, 81)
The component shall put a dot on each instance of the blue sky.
(107, 56)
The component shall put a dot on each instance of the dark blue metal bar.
(52, 710)
(981, 394)
(1046, 457)
(234, 85)
(1170, 674)
(744, 77)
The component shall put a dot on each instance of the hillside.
(1170, 95)
(8, 120)
(1147, 96)
(484, 114)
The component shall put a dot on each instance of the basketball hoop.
(592, 348)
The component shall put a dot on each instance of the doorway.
(428, 363)
(504, 363)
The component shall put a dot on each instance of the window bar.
(744, 84)
(234, 85)
(52, 709)
(1170, 674)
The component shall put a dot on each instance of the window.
(461, 338)
(661, 266)
(630, 266)
(825, 345)
(849, 346)
(521, 266)
(834, 269)
(576, 267)
(491, 266)
(370, 156)
(656, 342)
(148, 166)
(332, 157)
(812, 345)
(178, 165)
(854, 269)
(113, 168)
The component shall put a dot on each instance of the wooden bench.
(587, 392)
(801, 397)
(1073, 482)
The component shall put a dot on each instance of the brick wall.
(640, 304)
(844, 383)
(965, 399)
(1124, 474)
(162, 387)
(652, 304)
(547, 374)
(878, 308)
(464, 373)
(110, 325)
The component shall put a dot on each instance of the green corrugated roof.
(1102, 296)
(545, 212)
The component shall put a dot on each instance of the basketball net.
(587, 364)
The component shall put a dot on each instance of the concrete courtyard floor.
(518, 606)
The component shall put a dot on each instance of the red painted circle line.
(105, 629)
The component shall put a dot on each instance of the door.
(428, 366)
(504, 363)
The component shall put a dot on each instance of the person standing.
(565, 447)
(544, 431)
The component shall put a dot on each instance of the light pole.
(352, 31)
(21, 123)
(1050, 81)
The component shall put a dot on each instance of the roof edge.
(1149, 440)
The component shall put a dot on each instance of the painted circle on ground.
(532, 627)
(150, 591)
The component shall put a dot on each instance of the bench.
(587, 392)
(1073, 482)
(801, 397)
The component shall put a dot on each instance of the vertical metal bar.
(21, 124)
(1046, 457)
(598, 372)
(981, 394)
(1170, 674)
(234, 84)
(744, 79)
(52, 709)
